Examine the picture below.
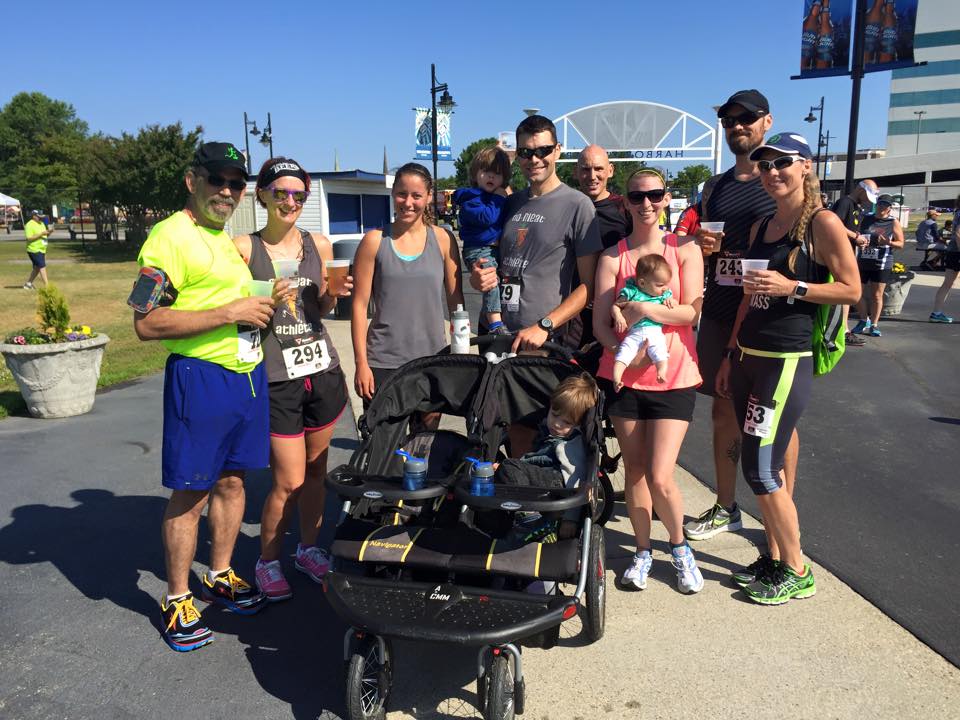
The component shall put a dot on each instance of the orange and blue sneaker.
(233, 592)
(182, 629)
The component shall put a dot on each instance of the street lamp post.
(446, 103)
(919, 114)
(826, 153)
(267, 137)
(247, 132)
(810, 118)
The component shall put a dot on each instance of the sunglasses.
(541, 152)
(279, 195)
(729, 121)
(218, 181)
(780, 163)
(637, 197)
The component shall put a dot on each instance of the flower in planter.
(54, 316)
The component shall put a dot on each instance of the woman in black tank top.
(768, 366)
(307, 388)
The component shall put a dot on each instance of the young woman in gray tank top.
(412, 272)
(307, 388)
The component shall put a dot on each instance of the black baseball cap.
(214, 156)
(752, 100)
(885, 199)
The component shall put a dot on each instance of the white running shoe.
(689, 578)
(636, 575)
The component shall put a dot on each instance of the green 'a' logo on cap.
(232, 153)
(770, 141)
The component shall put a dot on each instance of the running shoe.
(689, 579)
(636, 575)
(498, 328)
(271, 582)
(781, 585)
(862, 328)
(713, 522)
(854, 340)
(874, 331)
(939, 317)
(312, 561)
(28, 286)
(182, 629)
(233, 592)
(757, 569)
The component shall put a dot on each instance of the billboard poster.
(825, 38)
(888, 34)
(424, 134)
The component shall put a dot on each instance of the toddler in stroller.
(441, 564)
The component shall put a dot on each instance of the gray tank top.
(295, 344)
(408, 295)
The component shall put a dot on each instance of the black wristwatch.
(729, 353)
(545, 323)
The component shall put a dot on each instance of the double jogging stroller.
(441, 564)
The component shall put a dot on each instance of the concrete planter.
(895, 293)
(57, 379)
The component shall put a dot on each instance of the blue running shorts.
(213, 420)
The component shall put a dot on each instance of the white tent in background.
(7, 201)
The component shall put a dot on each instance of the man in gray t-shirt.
(548, 249)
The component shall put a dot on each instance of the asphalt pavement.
(81, 570)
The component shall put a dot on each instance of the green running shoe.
(782, 584)
(712, 522)
(759, 568)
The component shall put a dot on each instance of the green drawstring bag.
(829, 336)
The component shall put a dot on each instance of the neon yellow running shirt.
(208, 272)
(32, 228)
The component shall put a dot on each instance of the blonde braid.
(811, 203)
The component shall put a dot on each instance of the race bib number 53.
(759, 419)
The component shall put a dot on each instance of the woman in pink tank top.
(651, 417)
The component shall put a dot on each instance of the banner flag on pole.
(424, 134)
(888, 37)
(825, 37)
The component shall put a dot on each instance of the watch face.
(545, 323)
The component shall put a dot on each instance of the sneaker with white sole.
(862, 327)
(28, 286)
(271, 582)
(689, 578)
(939, 317)
(636, 575)
(314, 562)
(713, 522)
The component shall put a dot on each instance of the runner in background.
(880, 233)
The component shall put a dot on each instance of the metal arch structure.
(639, 130)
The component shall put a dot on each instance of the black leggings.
(769, 396)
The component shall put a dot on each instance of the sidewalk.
(81, 569)
(666, 655)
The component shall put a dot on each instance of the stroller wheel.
(499, 703)
(369, 680)
(603, 499)
(595, 613)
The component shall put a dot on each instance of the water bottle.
(481, 478)
(414, 471)
(459, 331)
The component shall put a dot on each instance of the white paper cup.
(285, 268)
(748, 264)
(712, 226)
(260, 288)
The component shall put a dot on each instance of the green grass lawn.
(96, 283)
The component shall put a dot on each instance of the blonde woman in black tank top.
(306, 397)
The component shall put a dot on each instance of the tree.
(40, 141)
(690, 177)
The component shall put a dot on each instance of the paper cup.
(712, 226)
(285, 268)
(337, 271)
(260, 288)
(748, 264)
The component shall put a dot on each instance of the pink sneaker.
(271, 582)
(313, 561)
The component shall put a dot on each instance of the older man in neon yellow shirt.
(36, 233)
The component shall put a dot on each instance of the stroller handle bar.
(501, 344)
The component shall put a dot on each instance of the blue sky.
(345, 76)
